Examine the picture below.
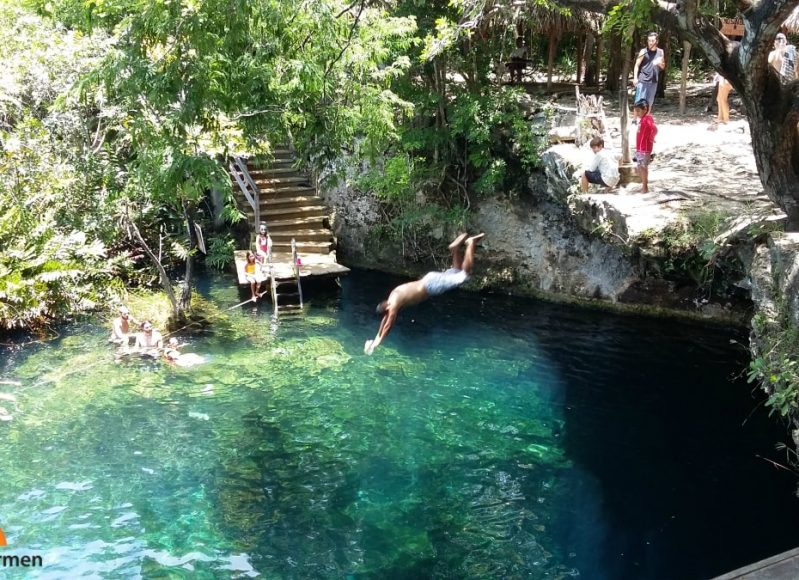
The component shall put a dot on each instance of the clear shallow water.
(487, 438)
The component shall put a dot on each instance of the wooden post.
(666, 46)
(598, 60)
(553, 49)
(624, 104)
(580, 42)
(590, 120)
(686, 57)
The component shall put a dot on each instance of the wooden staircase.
(289, 205)
(275, 193)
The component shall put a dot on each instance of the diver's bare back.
(407, 294)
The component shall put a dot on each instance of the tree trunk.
(624, 105)
(666, 46)
(166, 283)
(553, 49)
(580, 41)
(591, 68)
(598, 61)
(686, 57)
(776, 149)
(614, 64)
(188, 282)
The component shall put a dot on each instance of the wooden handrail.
(238, 168)
(296, 268)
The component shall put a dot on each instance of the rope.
(247, 301)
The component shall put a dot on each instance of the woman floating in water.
(172, 354)
(432, 284)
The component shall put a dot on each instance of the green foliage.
(775, 366)
(411, 219)
(220, 252)
(690, 247)
(628, 16)
(223, 79)
(54, 225)
(45, 273)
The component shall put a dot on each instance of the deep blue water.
(488, 437)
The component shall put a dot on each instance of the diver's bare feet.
(474, 239)
(458, 241)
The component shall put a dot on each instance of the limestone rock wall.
(774, 276)
(538, 249)
(532, 247)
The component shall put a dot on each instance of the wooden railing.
(296, 266)
(238, 169)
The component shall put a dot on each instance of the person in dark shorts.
(518, 60)
(603, 169)
(432, 284)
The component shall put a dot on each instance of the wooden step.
(281, 203)
(299, 200)
(293, 191)
(274, 185)
(277, 213)
(311, 222)
(278, 182)
(267, 163)
(303, 247)
(305, 235)
(267, 172)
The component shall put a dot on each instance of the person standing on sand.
(644, 141)
(646, 72)
(721, 98)
(432, 284)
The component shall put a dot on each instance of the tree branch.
(349, 38)
(348, 8)
(134, 233)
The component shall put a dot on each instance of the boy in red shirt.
(644, 141)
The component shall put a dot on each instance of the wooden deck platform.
(313, 266)
(783, 566)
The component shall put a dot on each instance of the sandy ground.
(697, 157)
(698, 164)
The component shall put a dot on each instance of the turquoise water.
(488, 438)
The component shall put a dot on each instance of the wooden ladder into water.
(287, 290)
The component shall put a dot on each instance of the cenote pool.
(488, 438)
